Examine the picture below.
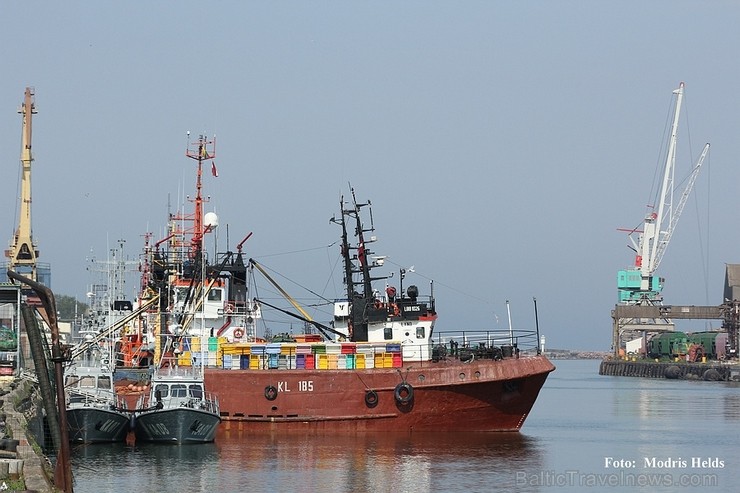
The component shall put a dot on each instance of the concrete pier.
(23, 461)
(675, 370)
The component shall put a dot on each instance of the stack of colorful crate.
(257, 357)
(302, 352)
(212, 355)
(360, 361)
(394, 350)
(272, 350)
(184, 358)
(378, 360)
(318, 348)
(366, 353)
(195, 344)
(333, 351)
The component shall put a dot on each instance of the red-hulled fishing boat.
(379, 364)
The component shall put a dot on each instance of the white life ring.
(229, 308)
(238, 333)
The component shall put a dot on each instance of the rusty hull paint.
(484, 395)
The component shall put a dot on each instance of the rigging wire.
(437, 283)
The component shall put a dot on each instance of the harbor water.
(586, 433)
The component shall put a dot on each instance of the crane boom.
(23, 252)
(666, 236)
(666, 191)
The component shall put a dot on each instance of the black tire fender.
(271, 393)
(404, 393)
(371, 399)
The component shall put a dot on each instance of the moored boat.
(378, 364)
(94, 410)
(382, 366)
(177, 409)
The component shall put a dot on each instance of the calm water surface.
(586, 433)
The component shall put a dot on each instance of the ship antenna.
(536, 324)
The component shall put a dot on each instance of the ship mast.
(23, 253)
(201, 155)
(359, 303)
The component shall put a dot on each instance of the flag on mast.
(214, 171)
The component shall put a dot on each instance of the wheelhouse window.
(215, 294)
(388, 333)
(420, 333)
(87, 382)
(163, 390)
(196, 391)
(179, 390)
(104, 383)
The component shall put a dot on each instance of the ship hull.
(91, 425)
(483, 395)
(176, 425)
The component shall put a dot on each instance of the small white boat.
(94, 411)
(177, 408)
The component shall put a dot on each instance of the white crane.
(653, 239)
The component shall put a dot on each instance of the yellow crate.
(378, 360)
(360, 361)
(387, 360)
(323, 362)
(255, 362)
(235, 348)
(184, 359)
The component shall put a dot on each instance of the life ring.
(404, 393)
(371, 399)
(238, 333)
(271, 393)
(229, 309)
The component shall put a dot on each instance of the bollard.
(15, 468)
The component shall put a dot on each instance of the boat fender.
(271, 393)
(404, 393)
(371, 399)
(711, 375)
(238, 333)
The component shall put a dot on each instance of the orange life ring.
(238, 333)
(229, 308)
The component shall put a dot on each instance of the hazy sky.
(501, 143)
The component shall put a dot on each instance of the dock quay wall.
(671, 370)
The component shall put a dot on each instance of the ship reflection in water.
(240, 461)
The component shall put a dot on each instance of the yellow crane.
(23, 252)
